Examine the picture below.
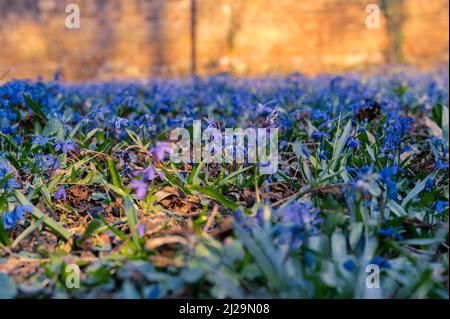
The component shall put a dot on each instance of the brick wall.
(138, 38)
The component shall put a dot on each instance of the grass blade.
(36, 108)
(49, 222)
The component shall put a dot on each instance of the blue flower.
(325, 155)
(160, 149)
(381, 262)
(386, 175)
(441, 206)
(441, 166)
(392, 232)
(61, 194)
(352, 142)
(319, 135)
(64, 146)
(395, 129)
(141, 230)
(8, 130)
(305, 151)
(40, 140)
(309, 259)
(350, 265)
(298, 220)
(10, 219)
(99, 112)
(238, 216)
(140, 187)
(319, 115)
(149, 173)
(47, 161)
(428, 185)
(121, 122)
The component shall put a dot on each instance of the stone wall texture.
(130, 39)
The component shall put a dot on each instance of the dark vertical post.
(394, 11)
(193, 37)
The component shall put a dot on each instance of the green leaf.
(36, 108)
(355, 234)
(8, 289)
(90, 229)
(233, 175)
(445, 125)
(216, 195)
(114, 173)
(417, 189)
(396, 208)
(4, 238)
(116, 190)
(5, 179)
(75, 130)
(422, 241)
(265, 254)
(49, 222)
(132, 218)
(27, 232)
(173, 180)
(114, 229)
(338, 246)
(52, 127)
(436, 114)
(341, 143)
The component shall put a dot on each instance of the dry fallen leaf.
(437, 131)
(167, 240)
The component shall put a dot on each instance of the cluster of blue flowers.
(312, 110)
(395, 131)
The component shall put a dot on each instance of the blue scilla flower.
(428, 185)
(352, 142)
(8, 130)
(297, 221)
(10, 219)
(394, 232)
(349, 265)
(309, 259)
(386, 176)
(440, 206)
(41, 141)
(319, 115)
(99, 113)
(440, 165)
(325, 155)
(47, 161)
(65, 146)
(121, 122)
(61, 194)
(305, 151)
(395, 129)
(140, 187)
(359, 172)
(381, 262)
(238, 216)
(319, 135)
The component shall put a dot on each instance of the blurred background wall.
(126, 39)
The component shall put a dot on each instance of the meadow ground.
(87, 183)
